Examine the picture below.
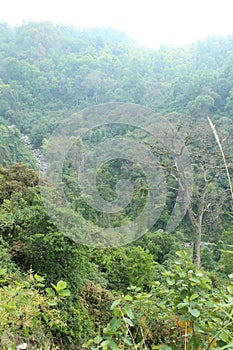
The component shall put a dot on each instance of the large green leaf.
(61, 285)
(194, 312)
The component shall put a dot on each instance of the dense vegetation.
(154, 293)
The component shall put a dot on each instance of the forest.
(67, 281)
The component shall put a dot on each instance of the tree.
(206, 197)
(123, 267)
(211, 194)
(202, 105)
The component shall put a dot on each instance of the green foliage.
(12, 148)
(49, 72)
(123, 267)
(226, 261)
(185, 311)
(97, 301)
(202, 105)
(161, 245)
(31, 241)
(27, 312)
(5, 257)
(140, 267)
(207, 259)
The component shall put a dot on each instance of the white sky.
(150, 22)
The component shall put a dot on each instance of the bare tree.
(208, 197)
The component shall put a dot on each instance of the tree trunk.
(197, 251)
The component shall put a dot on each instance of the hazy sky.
(150, 22)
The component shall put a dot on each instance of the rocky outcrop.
(37, 154)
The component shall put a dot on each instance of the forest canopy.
(164, 290)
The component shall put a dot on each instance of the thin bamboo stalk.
(222, 152)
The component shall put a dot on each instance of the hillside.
(114, 272)
(49, 72)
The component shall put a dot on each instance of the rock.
(11, 127)
(37, 154)
(22, 346)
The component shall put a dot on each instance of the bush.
(28, 312)
(183, 312)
